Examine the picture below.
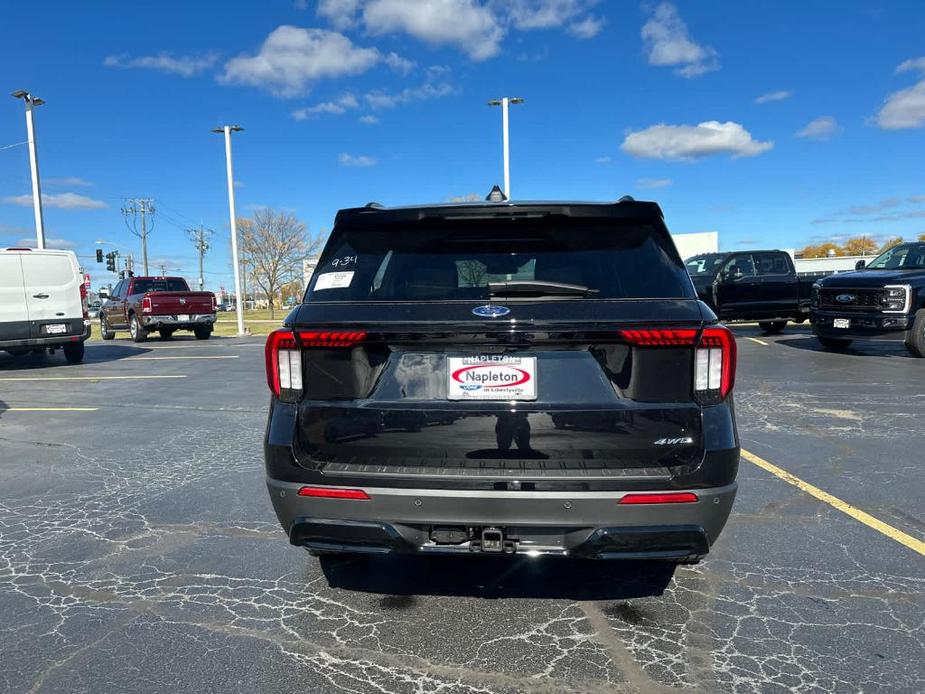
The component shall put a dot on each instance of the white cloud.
(666, 41)
(64, 201)
(602, 160)
(183, 65)
(587, 28)
(337, 107)
(355, 160)
(379, 99)
(552, 14)
(903, 109)
(341, 13)
(368, 119)
(291, 59)
(774, 96)
(57, 244)
(74, 181)
(822, 128)
(911, 65)
(471, 27)
(689, 142)
(653, 182)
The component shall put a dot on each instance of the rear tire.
(137, 330)
(916, 342)
(74, 352)
(833, 343)
(166, 333)
(772, 327)
(202, 333)
(105, 331)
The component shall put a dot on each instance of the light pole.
(227, 130)
(32, 101)
(504, 102)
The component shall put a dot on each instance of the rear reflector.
(332, 493)
(668, 498)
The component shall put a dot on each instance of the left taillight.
(284, 355)
(146, 305)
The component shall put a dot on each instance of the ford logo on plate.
(845, 298)
(489, 311)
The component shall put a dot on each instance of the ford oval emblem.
(845, 298)
(491, 311)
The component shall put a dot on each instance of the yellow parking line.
(217, 356)
(893, 533)
(49, 409)
(88, 378)
(755, 339)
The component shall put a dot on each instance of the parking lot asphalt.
(139, 551)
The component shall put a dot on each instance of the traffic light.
(99, 255)
(121, 274)
(111, 262)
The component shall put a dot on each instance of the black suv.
(499, 378)
(884, 300)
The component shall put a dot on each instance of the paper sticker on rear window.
(334, 280)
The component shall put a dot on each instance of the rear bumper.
(173, 322)
(583, 524)
(48, 340)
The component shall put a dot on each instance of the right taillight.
(714, 364)
(283, 354)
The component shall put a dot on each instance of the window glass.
(703, 264)
(459, 259)
(744, 263)
(771, 263)
(907, 255)
(168, 284)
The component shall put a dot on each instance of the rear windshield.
(477, 259)
(170, 284)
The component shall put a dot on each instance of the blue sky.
(776, 124)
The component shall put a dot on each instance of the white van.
(43, 303)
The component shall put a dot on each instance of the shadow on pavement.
(42, 359)
(856, 349)
(498, 577)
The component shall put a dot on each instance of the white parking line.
(216, 356)
(49, 409)
(755, 339)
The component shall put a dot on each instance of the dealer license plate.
(841, 323)
(491, 377)
(55, 328)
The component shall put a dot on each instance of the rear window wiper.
(538, 288)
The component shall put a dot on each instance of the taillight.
(83, 301)
(714, 356)
(284, 354)
(715, 365)
(146, 304)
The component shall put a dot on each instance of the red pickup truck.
(165, 304)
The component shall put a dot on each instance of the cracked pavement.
(139, 551)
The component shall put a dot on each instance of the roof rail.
(374, 206)
(627, 198)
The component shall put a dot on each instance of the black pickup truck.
(761, 286)
(883, 301)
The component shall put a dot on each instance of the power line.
(202, 241)
(144, 208)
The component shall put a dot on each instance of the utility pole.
(144, 208)
(226, 130)
(202, 242)
(32, 101)
(504, 102)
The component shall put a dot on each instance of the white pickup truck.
(43, 303)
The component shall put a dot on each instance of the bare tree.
(274, 244)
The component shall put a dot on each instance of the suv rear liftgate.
(499, 379)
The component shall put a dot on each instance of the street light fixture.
(32, 101)
(504, 102)
(226, 130)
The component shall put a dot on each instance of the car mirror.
(860, 265)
